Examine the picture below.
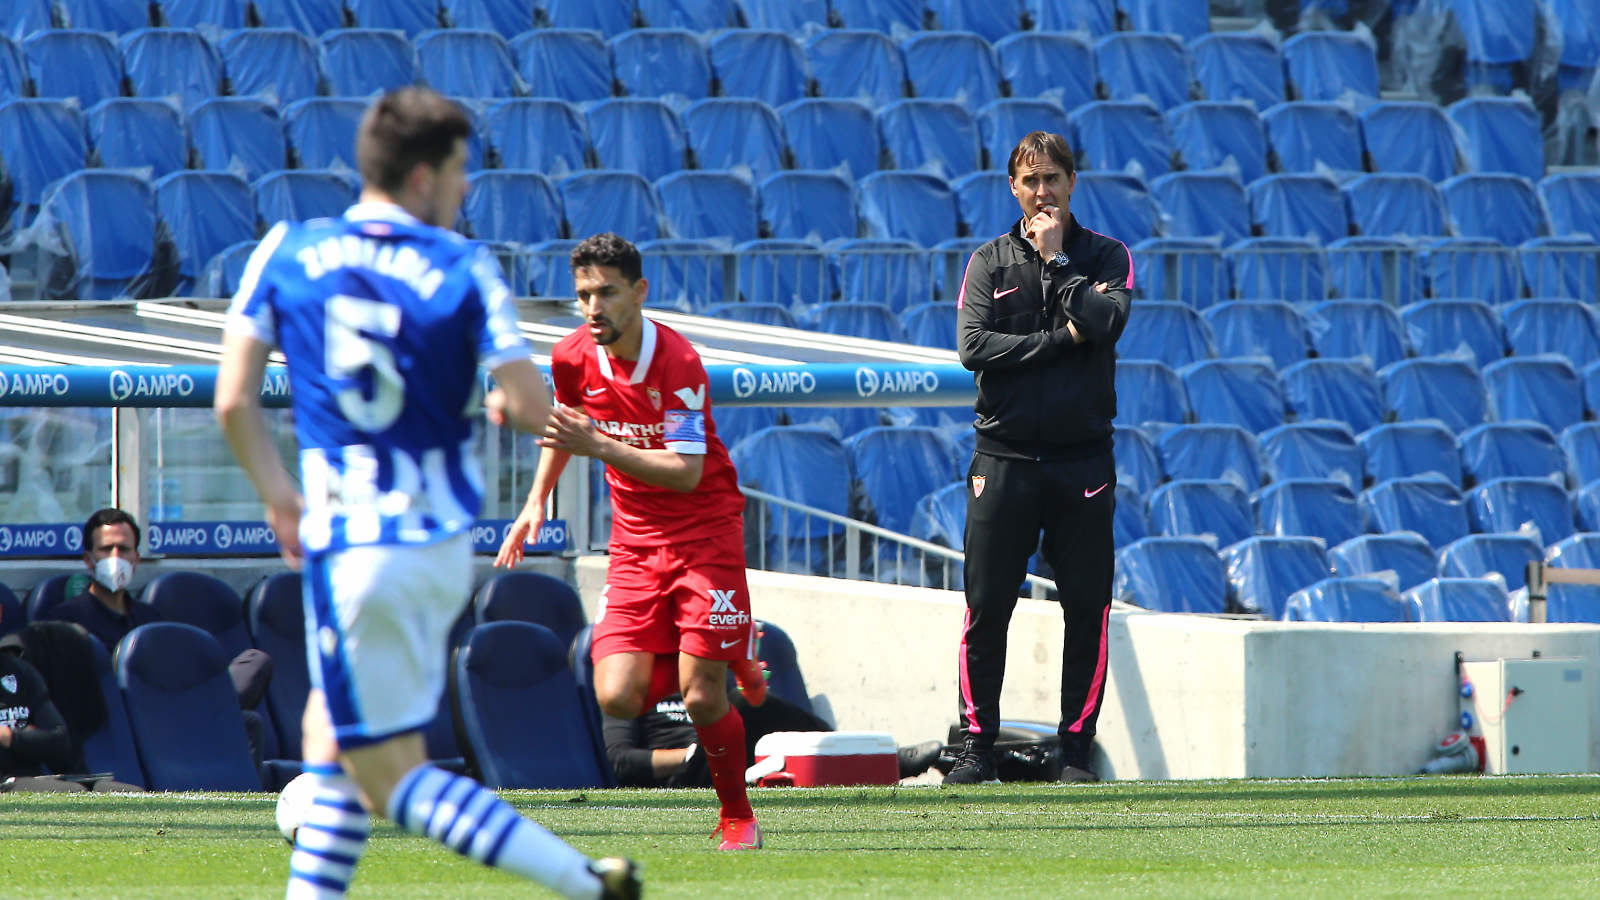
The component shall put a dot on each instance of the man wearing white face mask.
(111, 551)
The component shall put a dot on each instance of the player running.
(384, 318)
(676, 611)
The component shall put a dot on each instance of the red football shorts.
(689, 597)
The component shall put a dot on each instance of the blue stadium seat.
(204, 601)
(45, 595)
(1116, 135)
(503, 669)
(310, 17)
(910, 206)
(67, 63)
(1591, 386)
(410, 16)
(879, 15)
(893, 468)
(793, 274)
(1188, 270)
(1426, 504)
(735, 133)
(41, 140)
(857, 64)
(1171, 574)
(686, 274)
(563, 64)
(754, 313)
(238, 134)
(1383, 205)
(517, 205)
(1385, 268)
(1502, 207)
(1308, 135)
(1128, 522)
(549, 274)
(1149, 391)
(931, 324)
(1500, 134)
(105, 15)
(125, 133)
(801, 465)
(205, 212)
(1511, 450)
(695, 15)
(930, 135)
(609, 17)
(508, 18)
(1480, 268)
(1410, 136)
(1459, 600)
(1116, 203)
(986, 204)
(1238, 65)
(1203, 205)
(1278, 268)
(1097, 17)
(808, 205)
(1211, 451)
(1539, 388)
(223, 14)
(1314, 448)
(1510, 504)
(1150, 66)
(1196, 507)
(1067, 57)
(110, 747)
(276, 616)
(1345, 390)
(299, 194)
(468, 63)
(734, 423)
(1138, 461)
(1434, 387)
(1573, 199)
(1480, 555)
(13, 69)
(1581, 445)
(532, 597)
(1264, 571)
(1357, 328)
(1355, 599)
(1209, 133)
(1562, 267)
(1298, 205)
(10, 612)
(1401, 449)
(1310, 507)
(827, 134)
(1002, 123)
(953, 65)
(609, 200)
(1564, 327)
(786, 15)
(1588, 503)
(1323, 65)
(702, 205)
(277, 64)
(638, 134)
(1571, 602)
(182, 710)
(1169, 332)
(874, 321)
(24, 17)
(1265, 328)
(839, 421)
(991, 20)
(172, 62)
(1406, 554)
(765, 65)
(545, 135)
(658, 62)
(1579, 24)
(224, 271)
(890, 271)
(1455, 328)
(97, 230)
(322, 131)
(359, 61)
(1186, 20)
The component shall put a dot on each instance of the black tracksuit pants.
(1009, 503)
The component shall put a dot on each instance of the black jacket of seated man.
(33, 736)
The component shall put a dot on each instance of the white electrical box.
(1533, 713)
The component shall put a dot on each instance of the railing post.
(127, 484)
(852, 552)
(1537, 591)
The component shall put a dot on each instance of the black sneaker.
(975, 765)
(619, 878)
(916, 760)
(1071, 774)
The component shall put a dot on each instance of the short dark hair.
(108, 516)
(403, 128)
(609, 249)
(1042, 143)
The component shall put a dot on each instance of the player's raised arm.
(238, 409)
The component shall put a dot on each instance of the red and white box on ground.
(825, 758)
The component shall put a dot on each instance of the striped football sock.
(469, 819)
(330, 841)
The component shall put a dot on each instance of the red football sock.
(663, 681)
(723, 743)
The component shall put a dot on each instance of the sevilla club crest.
(978, 481)
(655, 397)
(9, 682)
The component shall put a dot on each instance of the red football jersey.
(658, 402)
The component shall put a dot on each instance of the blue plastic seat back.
(1243, 392)
(1581, 446)
(224, 271)
(1323, 65)
(792, 274)
(1426, 504)
(1410, 136)
(110, 748)
(955, 65)
(639, 135)
(1395, 204)
(1238, 65)
(1264, 571)
(879, 15)
(204, 601)
(1067, 57)
(890, 271)
(1502, 134)
(1403, 449)
(1562, 267)
(1129, 522)
(1512, 450)
(1375, 267)
(1115, 203)
(512, 205)
(857, 64)
(1269, 328)
(1572, 602)
(359, 62)
(1479, 555)
(607, 200)
(1148, 390)
(133, 134)
(735, 133)
(1434, 387)
(695, 15)
(1207, 134)
(1278, 268)
(544, 134)
(808, 205)
(1563, 327)
(1186, 20)
(1453, 327)
(322, 131)
(40, 141)
(13, 68)
(276, 64)
(1299, 206)
(756, 314)
(897, 466)
(874, 321)
(69, 63)
(410, 16)
(502, 670)
(609, 17)
(1588, 502)
(112, 248)
(658, 62)
(839, 421)
(1168, 332)
(1510, 504)
(1307, 136)
(1480, 268)
(931, 324)
(1097, 17)
(931, 135)
(990, 20)
(1497, 206)
(1357, 328)
(1188, 270)
(242, 135)
(311, 17)
(735, 423)
(549, 272)
(1121, 135)
(1318, 448)
(182, 710)
(564, 64)
(507, 18)
(788, 16)
(533, 597)
(1346, 600)
(105, 15)
(1195, 507)
(1151, 66)
(172, 62)
(987, 207)
(1203, 205)
(467, 63)
(196, 13)
(1573, 199)
(1459, 600)
(1542, 389)
(297, 195)
(276, 616)
(825, 134)
(10, 612)
(702, 205)
(765, 65)
(1170, 574)
(1310, 507)
(24, 17)
(1345, 390)
(909, 206)
(686, 274)
(1003, 122)
(1211, 451)
(206, 212)
(802, 465)
(1405, 554)
(1138, 461)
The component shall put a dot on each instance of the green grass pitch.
(1456, 836)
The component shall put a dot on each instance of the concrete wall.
(1186, 697)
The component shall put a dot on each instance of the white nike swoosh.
(727, 644)
(590, 392)
(999, 294)
(1088, 493)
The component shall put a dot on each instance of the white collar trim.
(381, 211)
(647, 352)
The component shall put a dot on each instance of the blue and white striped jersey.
(384, 322)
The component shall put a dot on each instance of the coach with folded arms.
(1042, 307)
